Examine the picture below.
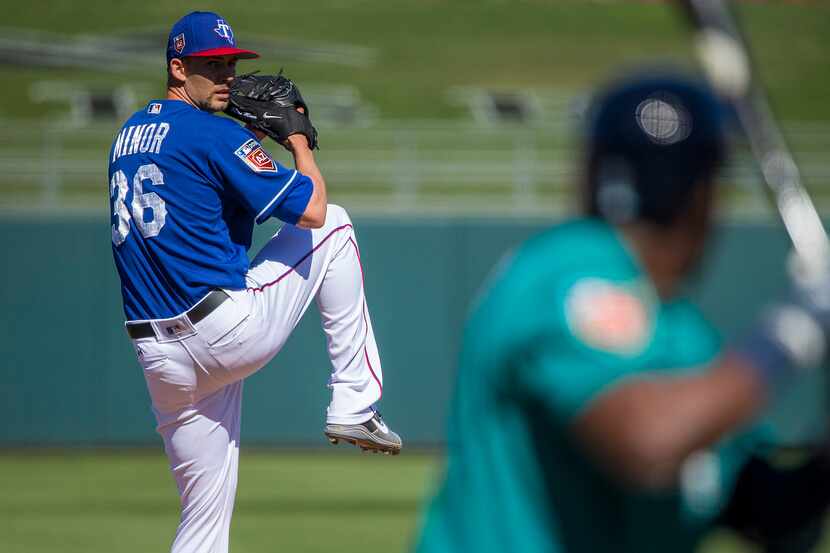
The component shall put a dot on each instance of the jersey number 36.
(148, 209)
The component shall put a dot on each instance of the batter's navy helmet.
(650, 141)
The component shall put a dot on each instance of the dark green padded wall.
(69, 375)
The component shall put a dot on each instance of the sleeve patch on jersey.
(255, 157)
(607, 316)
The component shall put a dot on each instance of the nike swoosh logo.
(267, 116)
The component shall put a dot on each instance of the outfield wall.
(69, 375)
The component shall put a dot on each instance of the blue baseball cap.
(204, 34)
(651, 140)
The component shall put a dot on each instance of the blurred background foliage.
(423, 107)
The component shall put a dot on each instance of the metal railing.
(392, 167)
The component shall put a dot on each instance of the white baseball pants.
(195, 377)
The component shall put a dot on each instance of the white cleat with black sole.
(372, 435)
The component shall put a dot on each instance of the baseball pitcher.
(186, 188)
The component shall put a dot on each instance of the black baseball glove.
(269, 103)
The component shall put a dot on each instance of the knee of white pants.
(337, 215)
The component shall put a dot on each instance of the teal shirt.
(569, 315)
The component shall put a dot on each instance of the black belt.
(196, 313)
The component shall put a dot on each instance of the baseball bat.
(724, 53)
(725, 56)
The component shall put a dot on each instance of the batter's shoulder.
(576, 285)
(582, 268)
(551, 261)
(582, 246)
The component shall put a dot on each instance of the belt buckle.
(173, 330)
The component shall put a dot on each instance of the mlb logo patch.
(154, 109)
(178, 43)
(255, 157)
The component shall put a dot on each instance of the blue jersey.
(185, 189)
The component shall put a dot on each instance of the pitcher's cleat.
(372, 435)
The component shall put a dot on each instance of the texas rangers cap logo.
(224, 30)
(255, 157)
(178, 43)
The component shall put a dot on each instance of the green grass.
(81, 501)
